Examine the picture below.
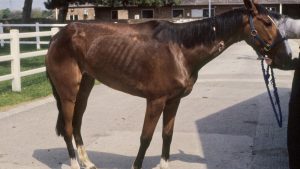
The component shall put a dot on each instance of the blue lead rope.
(277, 110)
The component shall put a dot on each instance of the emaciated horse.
(156, 60)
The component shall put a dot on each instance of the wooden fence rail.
(15, 56)
(36, 26)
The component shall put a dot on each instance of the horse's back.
(123, 56)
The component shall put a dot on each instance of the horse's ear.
(250, 5)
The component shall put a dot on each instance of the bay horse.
(156, 60)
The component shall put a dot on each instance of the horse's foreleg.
(86, 85)
(169, 114)
(153, 112)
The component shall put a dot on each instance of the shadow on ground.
(55, 158)
(245, 135)
(242, 136)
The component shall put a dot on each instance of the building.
(81, 12)
(190, 9)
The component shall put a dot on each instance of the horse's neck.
(291, 27)
(202, 54)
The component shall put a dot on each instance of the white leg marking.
(74, 164)
(164, 164)
(83, 158)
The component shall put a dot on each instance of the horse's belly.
(122, 83)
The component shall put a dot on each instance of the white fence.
(15, 55)
(37, 27)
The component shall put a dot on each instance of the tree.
(27, 10)
(5, 13)
(8, 14)
(36, 13)
(62, 5)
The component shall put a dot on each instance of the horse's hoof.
(164, 164)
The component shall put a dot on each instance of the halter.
(266, 46)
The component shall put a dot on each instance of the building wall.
(292, 10)
(104, 13)
(82, 13)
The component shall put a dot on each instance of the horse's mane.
(202, 32)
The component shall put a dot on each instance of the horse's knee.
(145, 141)
(167, 137)
(68, 130)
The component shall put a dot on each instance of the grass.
(33, 87)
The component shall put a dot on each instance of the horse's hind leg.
(169, 114)
(65, 79)
(153, 112)
(86, 85)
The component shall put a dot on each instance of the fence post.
(38, 39)
(1, 31)
(15, 63)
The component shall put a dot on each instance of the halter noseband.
(266, 46)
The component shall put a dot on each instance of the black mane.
(202, 32)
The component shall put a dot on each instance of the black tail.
(60, 124)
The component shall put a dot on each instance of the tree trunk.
(27, 10)
(63, 11)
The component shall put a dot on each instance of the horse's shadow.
(243, 121)
(249, 135)
(57, 157)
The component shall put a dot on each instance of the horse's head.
(264, 36)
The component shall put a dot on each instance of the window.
(197, 13)
(147, 13)
(114, 14)
(206, 12)
(73, 17)
(177, 13)
(85, 12)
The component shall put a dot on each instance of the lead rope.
(266, 74)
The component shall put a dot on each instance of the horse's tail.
(60, 125)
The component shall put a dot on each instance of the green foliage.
(46, 13)
(36, 13)
(6, 13)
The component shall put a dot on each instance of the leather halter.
(266, 46)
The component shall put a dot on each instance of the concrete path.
(225, 123)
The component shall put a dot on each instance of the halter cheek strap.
(266, 46)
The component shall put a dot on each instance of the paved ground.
(225, 123)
